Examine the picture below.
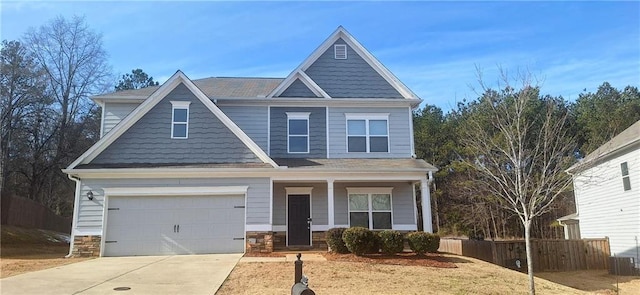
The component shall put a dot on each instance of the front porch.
(302, 210)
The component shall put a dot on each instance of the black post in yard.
(298, 270)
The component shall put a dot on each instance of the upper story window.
(626, 182)
(368, 133)
(370, 207)
(340, 51)
(297, 132)
(180, 119)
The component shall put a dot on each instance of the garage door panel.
(147, 225)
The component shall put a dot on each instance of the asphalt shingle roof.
(212, 87)
(627, 137)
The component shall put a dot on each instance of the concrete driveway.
(181, 274)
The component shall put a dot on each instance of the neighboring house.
(607, 193)
(220, 165)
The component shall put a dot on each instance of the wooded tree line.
(47, 119)
(464, 205)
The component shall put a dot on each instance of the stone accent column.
(86, 246)
(259, 242)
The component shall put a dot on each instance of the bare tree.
(520, 148)
(21, 86)
(76, 66)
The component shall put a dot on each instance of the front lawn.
(470, 276)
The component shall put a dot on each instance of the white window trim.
(179, 105)
(298, 116)
(370, 191)
(367, 117)
(335, 51)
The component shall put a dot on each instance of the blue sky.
(433, 47)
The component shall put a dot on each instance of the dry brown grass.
(597, 281)
(26, 250)
(334, 277)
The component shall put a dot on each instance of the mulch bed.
(259, 254)
(429, 259)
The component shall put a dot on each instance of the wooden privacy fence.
(30, 214)
(548, 255)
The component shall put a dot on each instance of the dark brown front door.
(298, 222)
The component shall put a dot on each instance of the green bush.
(358, 240)
(376, 243)
(334, 240)
(421, 242)
(391, 241)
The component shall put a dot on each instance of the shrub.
(334, 240)
(421, 242)
(358, 240)
(376, 243)
(391, 241)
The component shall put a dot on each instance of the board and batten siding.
(114, 113)
(605, 209)
(401, 201)
(90, 212)
(318, 202)
(399, 132)
(317, 132)
(252, 120)
(149, 139)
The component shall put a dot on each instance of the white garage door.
(153, 225)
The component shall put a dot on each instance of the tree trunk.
(527, 238)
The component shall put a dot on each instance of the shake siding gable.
(149, 139)
(349, 78)
(298, 89)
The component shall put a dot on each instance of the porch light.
(90, 195)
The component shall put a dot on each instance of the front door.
(299, 220)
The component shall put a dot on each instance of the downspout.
(75, 213)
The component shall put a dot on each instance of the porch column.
(330, 213)
(426, 205)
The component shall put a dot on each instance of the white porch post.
(330, 213)
(426, 205)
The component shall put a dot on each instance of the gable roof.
(150, 102)
(623, 140)
(212, 87)
(339, 33)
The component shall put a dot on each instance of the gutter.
(75, 213)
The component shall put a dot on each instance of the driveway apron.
(182, 274)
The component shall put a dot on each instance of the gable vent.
(340, 51)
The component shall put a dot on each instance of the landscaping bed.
(405, 258)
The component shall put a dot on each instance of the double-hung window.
(297, 132)
(180, 119)
(626, 182)
(368, 133)
(370, 207)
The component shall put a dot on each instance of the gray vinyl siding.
(252, 120)
(149, 140)
(317, 132)
(403, 209)
(90, 212)
(349, 78)
(318, 202)
(114, 113)
(399, 132)
(298, 89)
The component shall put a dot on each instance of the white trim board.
(152, 101)
(176, 191)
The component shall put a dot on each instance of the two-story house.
(222, 165)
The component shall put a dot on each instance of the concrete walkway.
(182, 274)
